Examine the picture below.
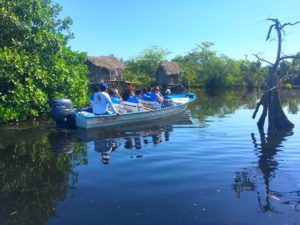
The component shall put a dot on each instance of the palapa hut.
(168, 74)
(104, 69)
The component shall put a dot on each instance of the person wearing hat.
(102, 103)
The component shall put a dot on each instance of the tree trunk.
(277, 120)
(270, 99)
(277, 117)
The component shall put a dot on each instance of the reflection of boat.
(62, 113)
(140, 129)
(135, 138)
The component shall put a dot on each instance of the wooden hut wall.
(162, 77)
(172, 79)
(97, 74)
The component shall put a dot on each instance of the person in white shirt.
(102, 103)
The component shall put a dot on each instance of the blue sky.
(125, 28)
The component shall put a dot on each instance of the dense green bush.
(36, 65)
(205, 68)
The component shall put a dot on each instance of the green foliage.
(289, 72)
(253, 73)
(36, 66)
(203, 67)
(143, 67)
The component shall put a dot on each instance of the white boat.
(133, 116)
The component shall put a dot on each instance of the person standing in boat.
(102, 103)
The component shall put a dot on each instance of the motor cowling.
(62, 112)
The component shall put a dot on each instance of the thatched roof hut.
(105, 69)
(168, 74)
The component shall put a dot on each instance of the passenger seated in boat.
(94, 89)
(155, 95)
(102, 102)
(117, 100)
(146, 94)
(127, 94)
(167, 100)
(114, 95)
(137, 99)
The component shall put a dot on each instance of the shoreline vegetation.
(37, 66)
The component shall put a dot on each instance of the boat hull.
(105, 121)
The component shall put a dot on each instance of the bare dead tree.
(270, 99)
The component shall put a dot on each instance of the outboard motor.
(63, 114)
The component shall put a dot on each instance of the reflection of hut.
(105, 68)
(168, 74)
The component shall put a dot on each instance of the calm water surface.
(209, 166)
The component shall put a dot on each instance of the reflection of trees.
(33, 177)
(223, 102)
(290, 98)
(266, 150)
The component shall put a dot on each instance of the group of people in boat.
(109, 101)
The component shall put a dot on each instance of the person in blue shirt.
(155, 95)
(94, 89)
(127, 94)
(114, 95)
(136, 98)
(146, 94)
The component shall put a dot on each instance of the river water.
(208, 166)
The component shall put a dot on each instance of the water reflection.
(33, 177)
(130, 141)
(134, 137)
(224, 102)
(106, 146)
(266, 150)
(39, 168)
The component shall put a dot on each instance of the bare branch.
(270, 30)
(263, 60)
(274, 20)
(290, 57)
(290, 24)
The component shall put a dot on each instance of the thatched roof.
(170, 68)
(108, 62)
